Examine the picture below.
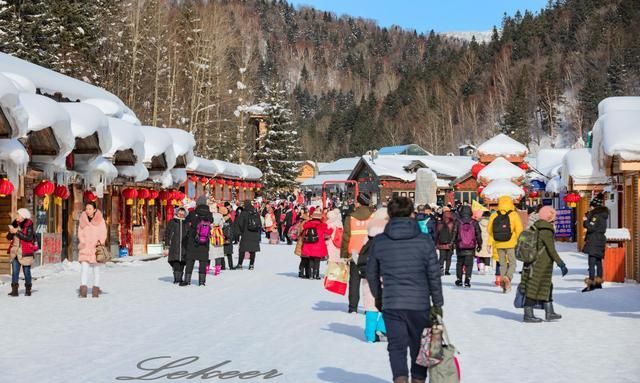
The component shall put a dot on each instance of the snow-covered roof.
(394, 166)
(555, 185)
(86, 120)
(502, 187)
(321, 178)
(22, 83)
(502, 145)
(13, 159)
(452, 166)
(214, 168)
(617, 133)
(228, 169)
(500, 168)
(577, 165)
(43, 113)
(108, 107)
(164, 178)
(156, 143)
(611, 104)
(341, 165)
(250, 172)
(204, 166)
(124, 136)
(179, 176)
(183, 143)
(391, 166)
(549, 161)
(99, 170)
(138, 172)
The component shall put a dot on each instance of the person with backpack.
(174, 242)
(227, 232)
(315, 233)
(468, 240)
(405, 260)
(426, 221)
(199, 223)
(595, 243)
(249, 227)
(353, 237)
(504, 228)
(538, 269)
(444, 240)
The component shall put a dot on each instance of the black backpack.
(444, 233)
(253, 222)
(310, 235)
(502, 227)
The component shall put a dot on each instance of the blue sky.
(424, 15)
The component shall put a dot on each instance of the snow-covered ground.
(269, 319)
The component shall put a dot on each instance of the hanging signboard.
(564, 225)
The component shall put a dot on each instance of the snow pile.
(165, 178)
(158, 142)
(125, 136)
(578, 166)
(183, 143)
(108, 107)
(204, 166)
(86, 120)
(260, 108)
(617, 133)
(618, 235)
(97, 171)
(138, 172)
(502, 145)
(8, 92)
(611, 104)
(502, 187)
(250, 172)
(549, 161)
(13, 159)
(500, 168)
(23, 84)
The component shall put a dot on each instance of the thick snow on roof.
(165, 178)
(179, 176)
(611, 104)
(8, 92)
(13, 159)
(391, 166)
(502, 187)
(250, 172)
(500, 169)
(108, 107)
(157, 142)
(617, 133)
(502, 145)
(555, 185)
(86, 120)
(183, 142)
(204, 166)
(341, 165)
(129, 116)
(229, 169)
(138, 171)
(43, 113)
(23, 84)
(452, 166)
(549, 161)
(214, 168)
(99, 170)
(577, 165)
(124, 136)
(319, 179)
(394, 166)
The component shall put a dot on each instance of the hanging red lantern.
(144, 194)
(193, 178)
(244, 186)
(524, 166)
(44, 188)
(237, 184)
(204, 180)
(212, 182)
(252, 185)
(164, 196)
(229, 182)
(480, 189)
(153, 194)
(89, 196)
(534, 194)
(572, 199)
(6, 187)
(62, 192)
(475, 169)
(258, 186)
(220, 181)
(130, 194)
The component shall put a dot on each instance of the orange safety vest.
(359, 234)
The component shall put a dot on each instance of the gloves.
(564, 269)
(435, 312)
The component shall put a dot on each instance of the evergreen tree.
(9, 29)
(515, 122)
(279, 146)
(38, 32)
(550, 99)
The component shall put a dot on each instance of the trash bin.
(614, 264)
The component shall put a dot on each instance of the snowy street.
(268, 319)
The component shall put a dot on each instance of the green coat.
(537, 277)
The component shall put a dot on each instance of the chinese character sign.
(564, 225)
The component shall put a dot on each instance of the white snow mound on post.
(183, 143)
(502, 187)
(503, 145)
(500, 168)
(156, 143)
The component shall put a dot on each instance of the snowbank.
(502, 187)
(183, 143)
(500, 168)
(578, 165)
(611, 104)
(86, 120)
(13, 159)
(156, 143)
(124, 136)
(502, 145)
(617, 133)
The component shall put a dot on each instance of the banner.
(564, 225)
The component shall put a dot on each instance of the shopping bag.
(518, 301)
(431, 350)
(448, 369)
(337, 277)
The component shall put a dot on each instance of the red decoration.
(524, 166)
(480, 189)
(220, 181)
(244, 186)
(237, 184)
(229, 182)
(130, 194)
(475, 169)
(153, 194)
(572, 199)
(89, 196)
(164, 196)
(6, 187)
(204, 180)
(212, 182)
(534, 194)
(45, 187)
(144, 194)
(193, 178)
(457, 186)
(62, 192)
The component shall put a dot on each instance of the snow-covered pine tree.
(37, 32)
(278, 148)
(9, 30)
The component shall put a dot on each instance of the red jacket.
(318, 249)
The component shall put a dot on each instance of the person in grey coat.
(174, 242)
(249, 226)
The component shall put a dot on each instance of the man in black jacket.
(595, 241)
(174, 243)
(406, 260)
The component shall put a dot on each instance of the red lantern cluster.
(44, 188)
(89, 196)
(62, 192)
(534, 194)
(6, 187)
(475, 169)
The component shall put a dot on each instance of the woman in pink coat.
(91, 232)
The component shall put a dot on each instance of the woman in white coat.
(334, 222)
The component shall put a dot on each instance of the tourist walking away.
(334, 223)
(595, 241)
(536, 275)
(354, 236)
(279, 213)
(304, 261)
(484, 255)
(249, 227)
(374, 328)
(315, 233)
(174, 244)
(287, 223)
(21, 250)
(216, 244)
(444, 240)
(427, 221)
(270, 227)
(504, 228)
(468, 242)
(227, 231)
(92, 231)
(199, 223)
(405, 260)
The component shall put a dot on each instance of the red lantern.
(44, 188)
(258, 186)
(193, 178)
(153, 194)
(6, 187)
(252, 185)
(244, 186)
(572, 199)
(204, 180)
(130, 194)
(475, 169)
(62, 192)
(220, 181)
(229, 182)
(524, 166)
(144, 194)
(164, 196)
(212, 182)
(237, 184)
(534, 194)
(89, 196)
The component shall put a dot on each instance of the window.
(466, 196)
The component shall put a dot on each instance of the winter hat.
(24, 213)
(547, 213)
(598, 200)
(202, 200)
(364, 199)
(377, 223)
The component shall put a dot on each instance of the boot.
(401, 379)
(459, 283)
(598, 283)
(202, 278)
(83, 291)
(506, 282)
(177, 276)
(529, 317)
(590, 285)
(28, 289)
(467, 282)
(187, 280)
(307, 272)
(216, 270)
(549, 314)
(14, 290)
(230, 262)
(95, 292)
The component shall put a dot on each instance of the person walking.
(405, 260)
(334, 223)
(92, 231)
(468, 240)
(504, 228)
(287, 223)
(249, 228)
(21, 250)
(304, 261)
(174, 242)
(445, 239)
(427, 221)
(595, 241)
(484, 255)
(216, 245)
(353, 237)
(199, 224)
(536, 277)
(315, 233)
(227, 231)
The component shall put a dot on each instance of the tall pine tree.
(515, 122)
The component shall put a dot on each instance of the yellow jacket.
(505, 204)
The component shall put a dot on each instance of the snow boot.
(177, 277)
(598, 283)
(216, 270)
(14, 290)
(529, 317)
(467, 282)
(370, 324)
(95, 292)
(83, 291)
(590, 285)
(187, 280)
(401, 379)
(459, 283)
(202, 279)
(28, 289)
(250, 267)
(549, 313)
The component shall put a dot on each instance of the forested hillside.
(353, 86)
